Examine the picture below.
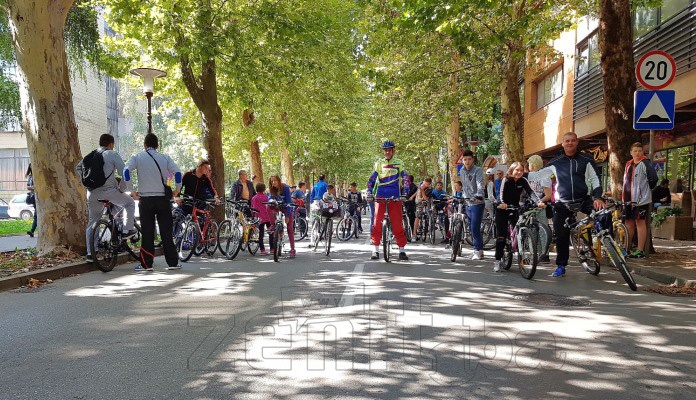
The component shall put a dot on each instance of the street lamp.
(148, 75)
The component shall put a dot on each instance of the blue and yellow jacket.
(389, 179)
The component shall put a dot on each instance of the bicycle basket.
(330, 209)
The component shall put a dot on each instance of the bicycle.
(107, 239)
(387, 234)
(278, 227)
(614, 253)
(239, 232)
(618, 227)
(523, 239)
(196, 239)
(322, 225)
(300, 225)
(348, 225)
(460, 230)
(424, 221)
(437, 219)
(406, 222)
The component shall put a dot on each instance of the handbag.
(168, 192)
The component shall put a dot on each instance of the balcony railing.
(677, 36)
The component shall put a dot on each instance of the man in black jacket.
(243, 189)
(573, 171)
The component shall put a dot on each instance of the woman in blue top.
(281, 192)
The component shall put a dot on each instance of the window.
(646, 19)
(587, 55)
(550, 87)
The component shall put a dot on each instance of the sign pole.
(651, 149)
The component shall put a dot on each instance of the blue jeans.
(475, 215)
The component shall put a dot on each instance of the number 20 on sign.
(656, 70)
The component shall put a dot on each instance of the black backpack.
(91, 170)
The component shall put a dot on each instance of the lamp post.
(148, 75)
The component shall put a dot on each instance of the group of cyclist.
(576, 183)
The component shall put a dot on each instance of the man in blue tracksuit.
(573, 170)
(319, 189)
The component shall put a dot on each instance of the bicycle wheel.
(178, 224)
(544, 241)
(300, 228)
(253, 245)
(211, 242)
(527, 255)
(488, 233)
(407, 228)
(507, 255)
(104, 251)
(432, 225)
(189, 240)
(316, 234)
(136, 242)
(386, 240)
(344, 230)
(618, 261)
(200, 243)
(621, 237)
(456, 239)
(585, 254)
(329, 234)
(229, 238)
(277, 241)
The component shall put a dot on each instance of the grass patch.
(11, 227)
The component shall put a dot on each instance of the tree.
(38, 28)
(616, 48)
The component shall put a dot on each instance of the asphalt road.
(345, 327)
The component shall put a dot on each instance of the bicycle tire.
(211, 243)
(386, 240)
(300, 231)
(277, 241)
(136, 241)
(344, 230)
(545, 237)
(407, 228)
(189, 240)
(618, 261)
(229, 238)
(329, 234)
(200, 244)
(507, 255)
(621, 236)
(432, 227)
(178, 224)
(527, 254)
(488, 233)
(315, 234)
(253, 236)
(456, 240)
(104, 251)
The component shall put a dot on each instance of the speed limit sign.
(656, 70)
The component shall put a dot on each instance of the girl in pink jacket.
(264, 219)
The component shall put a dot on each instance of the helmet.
(327, 197)
(490, 171)
(388, 145)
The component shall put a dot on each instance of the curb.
(60, 271)
(663, 277)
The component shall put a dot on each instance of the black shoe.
(544, 258)
(30, 233)
(89, 258)
(403, 256)
(375, 256)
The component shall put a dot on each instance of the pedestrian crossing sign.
(653, 109)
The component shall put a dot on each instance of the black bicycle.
(107, 240)
(348, 225)
(387, 234)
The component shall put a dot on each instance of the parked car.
(18, 208)
(3, 209)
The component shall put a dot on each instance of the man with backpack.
(97, 171)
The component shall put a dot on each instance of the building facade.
(566, 94)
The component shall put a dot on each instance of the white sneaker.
(496, 265)
(476, 255)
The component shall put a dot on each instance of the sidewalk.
(9, 243)
(674, 263)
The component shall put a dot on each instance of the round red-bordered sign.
(656, 70)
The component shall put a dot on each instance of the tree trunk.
(286, 166)
(616, 47)
(49, 121)
(453, 129)
(513, 121)
(203, 92)
(255, 155)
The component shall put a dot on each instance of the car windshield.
(20, 199)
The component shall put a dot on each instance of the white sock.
(402, 250)
(376, 249)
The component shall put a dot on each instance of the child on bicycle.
(511, 189)
(264, 220)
